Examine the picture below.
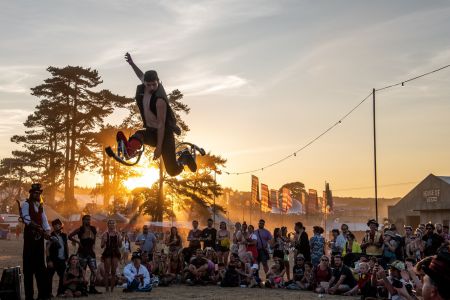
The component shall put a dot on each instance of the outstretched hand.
(128, 58)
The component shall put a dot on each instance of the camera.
(397, 283)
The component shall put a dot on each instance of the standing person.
(174, 241)
(111, 243)
(286, 246)
(264, 236)
(432, 240)
(237, 238)
(57, 255)
(252, 240)
(389, 248)
(159, 122)
(344, 231)
(317, 245)
(146, 242)
(126, 246)
(223, 243)
(209, 235)
(373, 240)
(301, 241)
(36, 228)
(194, 238)
(337, 243)
(352, 250)
(86, 244)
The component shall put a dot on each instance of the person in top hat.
(436, 281)
(373, 240)
(36, 229)
(57, 255)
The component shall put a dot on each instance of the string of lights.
(293, 154)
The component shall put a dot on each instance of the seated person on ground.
(342, 279)
(137, 276)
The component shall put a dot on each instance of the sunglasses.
(324, 259)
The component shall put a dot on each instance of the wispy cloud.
(10, 118)
(15, 79)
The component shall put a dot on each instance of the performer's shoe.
(93, 290)
(186, 159)
(132, 146)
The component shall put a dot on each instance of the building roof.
(445, 178)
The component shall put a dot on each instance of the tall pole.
(375, 156)
(214, 198)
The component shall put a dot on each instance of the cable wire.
(401, 83)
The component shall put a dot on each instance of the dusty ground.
(11, 255)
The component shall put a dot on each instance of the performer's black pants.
(34, 264)
(149, 136)
(59, 266)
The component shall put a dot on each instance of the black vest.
(36, 217)
(171, 121)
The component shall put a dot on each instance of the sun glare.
(147, 177)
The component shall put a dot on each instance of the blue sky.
(262, 78)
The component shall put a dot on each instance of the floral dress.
(317, 244)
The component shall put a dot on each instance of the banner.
(265, 203)
(255, 191)
(287, 200)
(274, 199)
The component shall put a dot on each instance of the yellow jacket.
(356, 248)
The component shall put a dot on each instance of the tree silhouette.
(59, 139)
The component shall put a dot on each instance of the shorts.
(263, 256)
(87, 260)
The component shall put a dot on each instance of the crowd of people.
(384, 264)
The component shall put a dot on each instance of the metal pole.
(375, 156)
(214, 199)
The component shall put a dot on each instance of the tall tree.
(13, 179)
(59, 133)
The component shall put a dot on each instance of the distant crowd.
(384, 264)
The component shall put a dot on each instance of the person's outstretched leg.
(174, 166)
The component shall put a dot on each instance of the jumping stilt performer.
(159, 123)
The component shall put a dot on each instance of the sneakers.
(131, 146)
(186, 159)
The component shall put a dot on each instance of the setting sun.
(147, 177)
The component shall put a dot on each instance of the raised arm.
(138, 71)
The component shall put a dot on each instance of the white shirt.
(25, 208)
(130, 272)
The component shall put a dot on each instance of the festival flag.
(274, 199)
(265, 203)
(287, 200)
(255, 191)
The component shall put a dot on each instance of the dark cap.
(372, 221)
(151, 76)
(36, 187)
(136, 255)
